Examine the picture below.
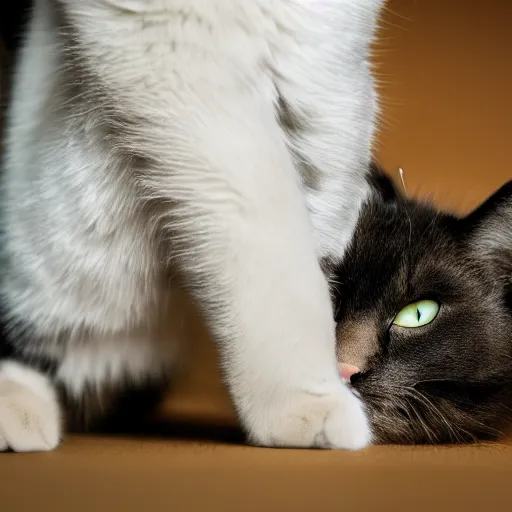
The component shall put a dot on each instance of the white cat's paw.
(29, 418)
(333, 421)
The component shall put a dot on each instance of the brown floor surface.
(446, 75)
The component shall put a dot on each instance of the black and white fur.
(157, 148)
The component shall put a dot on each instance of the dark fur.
(449, 381)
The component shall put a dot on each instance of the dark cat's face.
(424, 312)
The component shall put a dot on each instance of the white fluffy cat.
(155, 146)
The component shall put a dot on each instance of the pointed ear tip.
(381, 183)
(506, 188)
(499, 202)
(500, 194)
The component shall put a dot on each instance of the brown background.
(445, 75)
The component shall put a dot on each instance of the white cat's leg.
(244, 241)
(30, 417)
(330, 106)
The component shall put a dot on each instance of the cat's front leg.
(329, 105)
(241, 237)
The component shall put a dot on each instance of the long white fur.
(166, 158)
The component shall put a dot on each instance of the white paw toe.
(3, 443)
(347, 426)
(28, 422)
(333, 421)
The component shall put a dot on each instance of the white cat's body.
(145, 153)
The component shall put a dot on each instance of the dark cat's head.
(423, 302)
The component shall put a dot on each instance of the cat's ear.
(490, 232)
(381, 185)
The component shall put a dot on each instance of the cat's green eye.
(417, 314)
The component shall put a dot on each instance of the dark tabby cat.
(423, 302)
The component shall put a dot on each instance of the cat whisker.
(452, 427)
(434, 409)
(429, 407)
(399, 402)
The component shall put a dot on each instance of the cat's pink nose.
(347, 370)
